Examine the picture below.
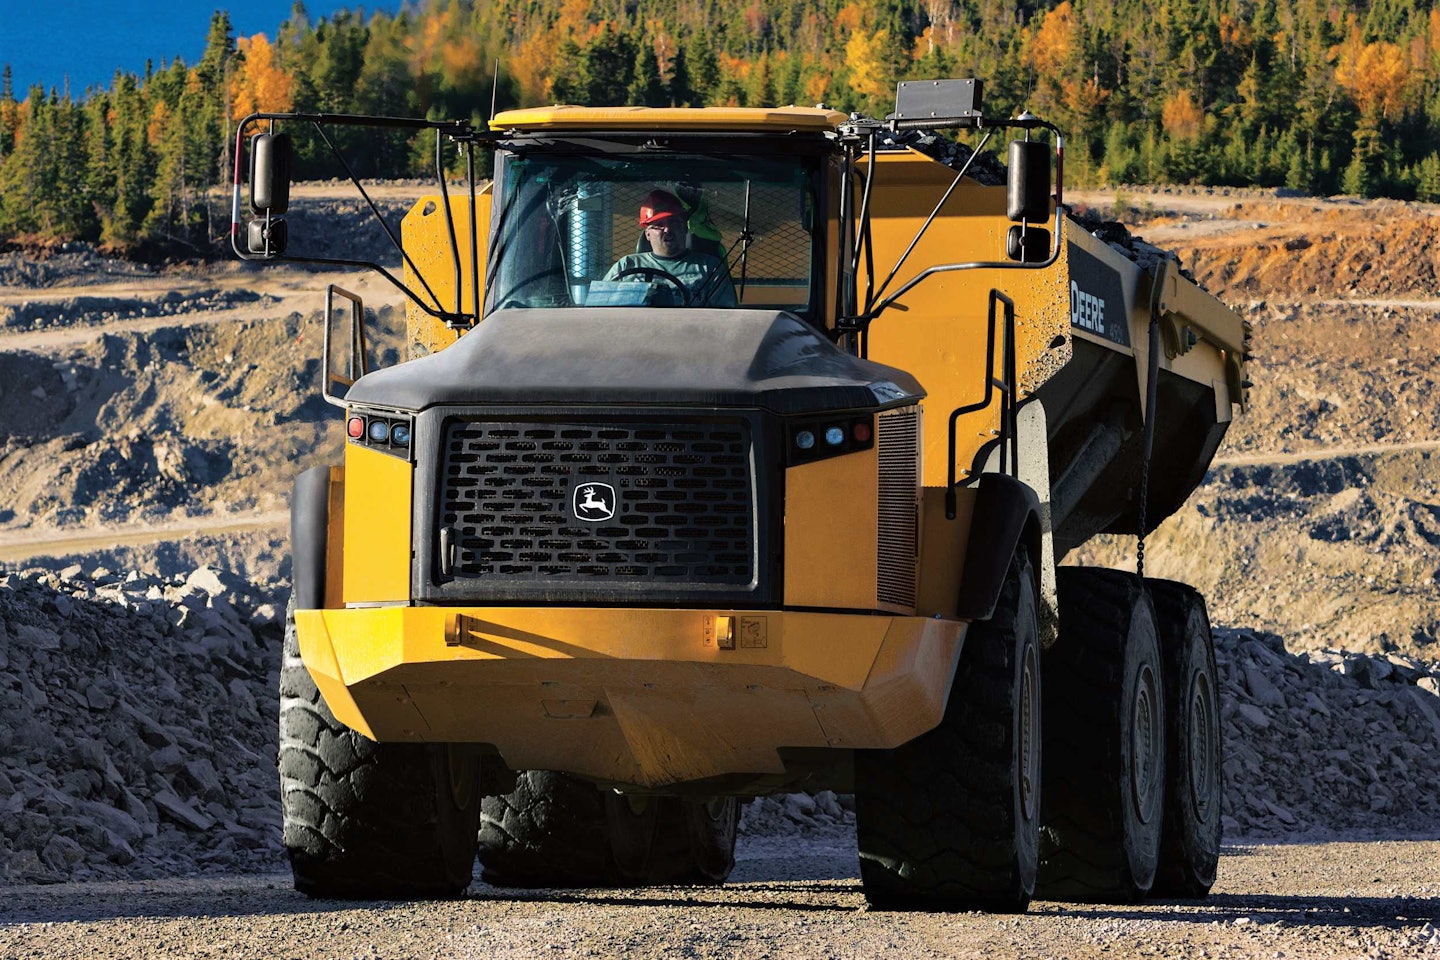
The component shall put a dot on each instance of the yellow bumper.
(649, 697)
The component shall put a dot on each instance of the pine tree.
(213, 73)
(1427, 179)
(705, 69)
(682, 94)
(645, 89)
(9, 113)
(609, 68)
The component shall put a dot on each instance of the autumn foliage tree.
(1307, 94)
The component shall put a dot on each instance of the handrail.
(1007, 385)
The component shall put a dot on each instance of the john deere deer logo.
(593, 502)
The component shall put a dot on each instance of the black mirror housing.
(1027, 191)
(270, 156)
(266, 236)
(1027, 244)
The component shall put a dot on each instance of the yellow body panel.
(943, 556)
(376, 527)
(669, 119)
(646, 696)
(427, 239)
(831, 523)
(937, 331)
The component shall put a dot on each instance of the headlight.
(386, 432)
(830, 437)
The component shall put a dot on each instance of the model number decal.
(1086, 310)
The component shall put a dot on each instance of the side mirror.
(266, 236)
(1027, 244)
(342, 360)
(1027, 192)
(270, 155)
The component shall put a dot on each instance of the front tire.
(366, 820)
(1104, 741)
(950, 820)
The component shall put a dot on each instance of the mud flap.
(1005, 510)
(309, 525)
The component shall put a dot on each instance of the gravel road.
(789, 897)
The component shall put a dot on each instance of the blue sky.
(88, 40)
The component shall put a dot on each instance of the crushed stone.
(138, 732)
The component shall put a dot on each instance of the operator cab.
(576, 188)
(571, 230)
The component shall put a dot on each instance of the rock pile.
(68, 264)
(1327, 742)
(136, 725)
(95, 311)
(137, 733)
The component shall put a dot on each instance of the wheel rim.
(1028, 734)
(1144, 743)
(1203, 748)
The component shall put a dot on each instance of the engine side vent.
(898, 438)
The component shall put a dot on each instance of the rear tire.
(1190, 839)
(539, 828)
(1104, 742)
(951, 820)
(366, 820)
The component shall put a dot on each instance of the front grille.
(898, 438)
(526, 504)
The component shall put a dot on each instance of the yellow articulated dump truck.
(733, 451)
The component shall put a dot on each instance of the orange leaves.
(159, 124)
(1085, 97)
(1235, 32)
(1054, 51)
(259, 83)
(1182, 117)
(849, 18)
(1376, 76)
(462, 60)
(1048, 50)
(869, 71)
(529, 64)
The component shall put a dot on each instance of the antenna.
(494, 91)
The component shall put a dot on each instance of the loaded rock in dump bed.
(988, 169)
(137, 733)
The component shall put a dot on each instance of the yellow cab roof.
(667, 119)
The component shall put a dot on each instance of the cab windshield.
(721, 232)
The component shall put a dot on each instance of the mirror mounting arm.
(458, 131)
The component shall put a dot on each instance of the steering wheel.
(655, 273)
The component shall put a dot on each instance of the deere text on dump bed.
(733, 451)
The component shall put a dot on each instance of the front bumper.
(650, 697)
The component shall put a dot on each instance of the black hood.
(654, 357)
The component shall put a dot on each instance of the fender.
(309, 537)
(1007, 513)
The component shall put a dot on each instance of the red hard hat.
(659, 204)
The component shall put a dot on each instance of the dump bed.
(1082, 329)
(1096, 404)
